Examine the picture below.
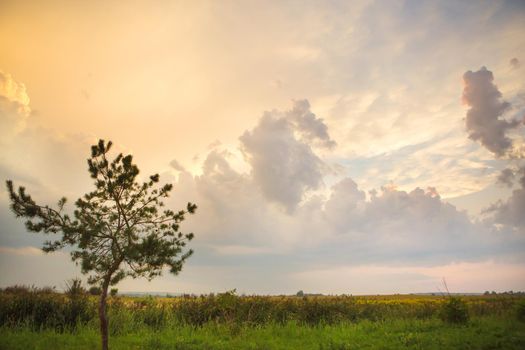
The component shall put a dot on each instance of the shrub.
(95, 290)
(520, 310)
(454, 310)
(74, 288)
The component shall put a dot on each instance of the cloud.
(452, 164)
(483, 121)
(14, 106)
(522, 178)
(405, 227)
(283, 166)
(49, 164)
(176, 165)
(484, 124)
(515, 63)
(232, 210)
(511, 211)
(346, 205)
(460, 277)
(344, 226)
(313, 129)
(506, 177)
(361, 57)
(29, 265)
(21, 251)
(242, 250)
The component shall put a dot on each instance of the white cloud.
(283, 166)
(235, 218)
(312, 129)
(14, 106)
(386, 78)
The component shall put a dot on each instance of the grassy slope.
(480, 333)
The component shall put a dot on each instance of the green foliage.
(520, 310)
(113, 292)
(94, 290)
(74, 288)
(23, 289)
(32, 318)
(454, 310)
(41, 309)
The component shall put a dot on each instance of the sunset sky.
(357, 147)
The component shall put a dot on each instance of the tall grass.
(45, 309)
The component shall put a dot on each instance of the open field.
(40, 320)
(480, 333)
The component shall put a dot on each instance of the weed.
(454, 310)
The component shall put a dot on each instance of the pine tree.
(119, 229)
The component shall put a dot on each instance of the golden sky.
(287, 108)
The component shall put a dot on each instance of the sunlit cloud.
(14, 107)
(321, 141)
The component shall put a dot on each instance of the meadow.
(43, 319)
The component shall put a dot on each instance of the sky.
(363, 147)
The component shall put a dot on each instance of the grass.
(479, 333)
(39, 319)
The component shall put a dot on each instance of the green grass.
(32, 319)
(479, 333)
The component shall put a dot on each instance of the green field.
(480, 333)
(44, 320)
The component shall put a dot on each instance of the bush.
(44, 309)
(454, 310)
(74, 288)
(95, 290)
(520, 310)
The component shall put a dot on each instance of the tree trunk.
(102, 315)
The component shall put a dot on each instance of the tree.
(119, 229)
(94, 290)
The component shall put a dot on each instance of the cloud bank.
(510, 212)
(279, 217)
(276, 208)
(363, 67)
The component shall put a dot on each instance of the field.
(36, 319)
